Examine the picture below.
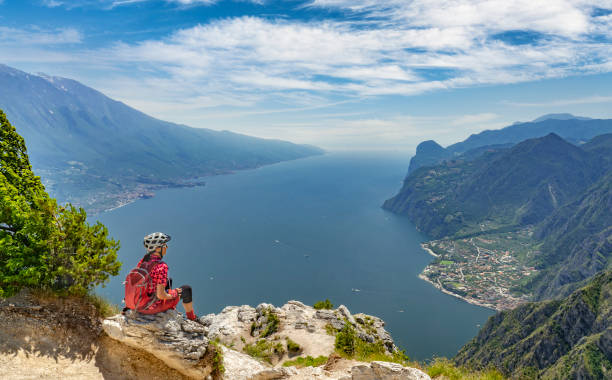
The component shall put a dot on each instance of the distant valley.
(99, 153)
(514, 221)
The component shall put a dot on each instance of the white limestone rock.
(180, 343)
(387, 371)
(344, 312)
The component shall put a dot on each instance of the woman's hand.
(162, 295)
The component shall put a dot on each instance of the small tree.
(44, 245)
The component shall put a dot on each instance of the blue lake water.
(308, 229)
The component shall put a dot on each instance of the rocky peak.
(271, 335)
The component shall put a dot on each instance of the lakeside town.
(483, 270)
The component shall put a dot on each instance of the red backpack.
(136, 283)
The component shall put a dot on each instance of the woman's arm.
(162, 295)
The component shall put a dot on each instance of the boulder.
(387, 371)
(180, 343)
(331, 317)
(345, 313)
(247, 313)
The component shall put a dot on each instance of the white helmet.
(154, 240)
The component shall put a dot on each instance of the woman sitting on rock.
(159, 284)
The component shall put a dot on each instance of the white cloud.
(561, 17)
(36, 36)
(404, 57)
(264, 65)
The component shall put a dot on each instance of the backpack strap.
(149, 269)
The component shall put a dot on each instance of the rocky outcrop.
(190, 347)
(49, 337)
(180, 343)
(386, 371)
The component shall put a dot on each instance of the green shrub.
(265, 350)
(345, 340)
(330, 330)
(44, 245)
(292, 347)
(444, 368)
(271, 325)
(350, 346)
(279, 349)
(308, 361)
(323, 305)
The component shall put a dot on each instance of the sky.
(340, 74)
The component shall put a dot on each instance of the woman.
(159, 285)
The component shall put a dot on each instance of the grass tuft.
(348, 345)
(265, 350)
(217, 362)
(307, 361)
(445, 369)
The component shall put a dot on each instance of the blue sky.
(341, 74)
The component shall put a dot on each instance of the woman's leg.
(187, 301)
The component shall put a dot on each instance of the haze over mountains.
(99, 153)
(574, 129)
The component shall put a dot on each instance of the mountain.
(89, 148)
(516, 186)
(574, 129)
(428, 153)
(553, 196)
(560, 339)
(577, 237)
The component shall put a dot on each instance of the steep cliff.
(560, 339)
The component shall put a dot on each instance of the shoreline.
(446, 291)
(153, 187)
(428, 250)
(146, 192)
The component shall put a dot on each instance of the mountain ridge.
(553, 196)
(84, 143)
(574, 129)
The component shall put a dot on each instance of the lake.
(307, 230)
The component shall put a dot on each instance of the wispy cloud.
(251, 54)
(37, 36)
(558, 17)
(110, 4)
(564, 102)
(394, 47)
